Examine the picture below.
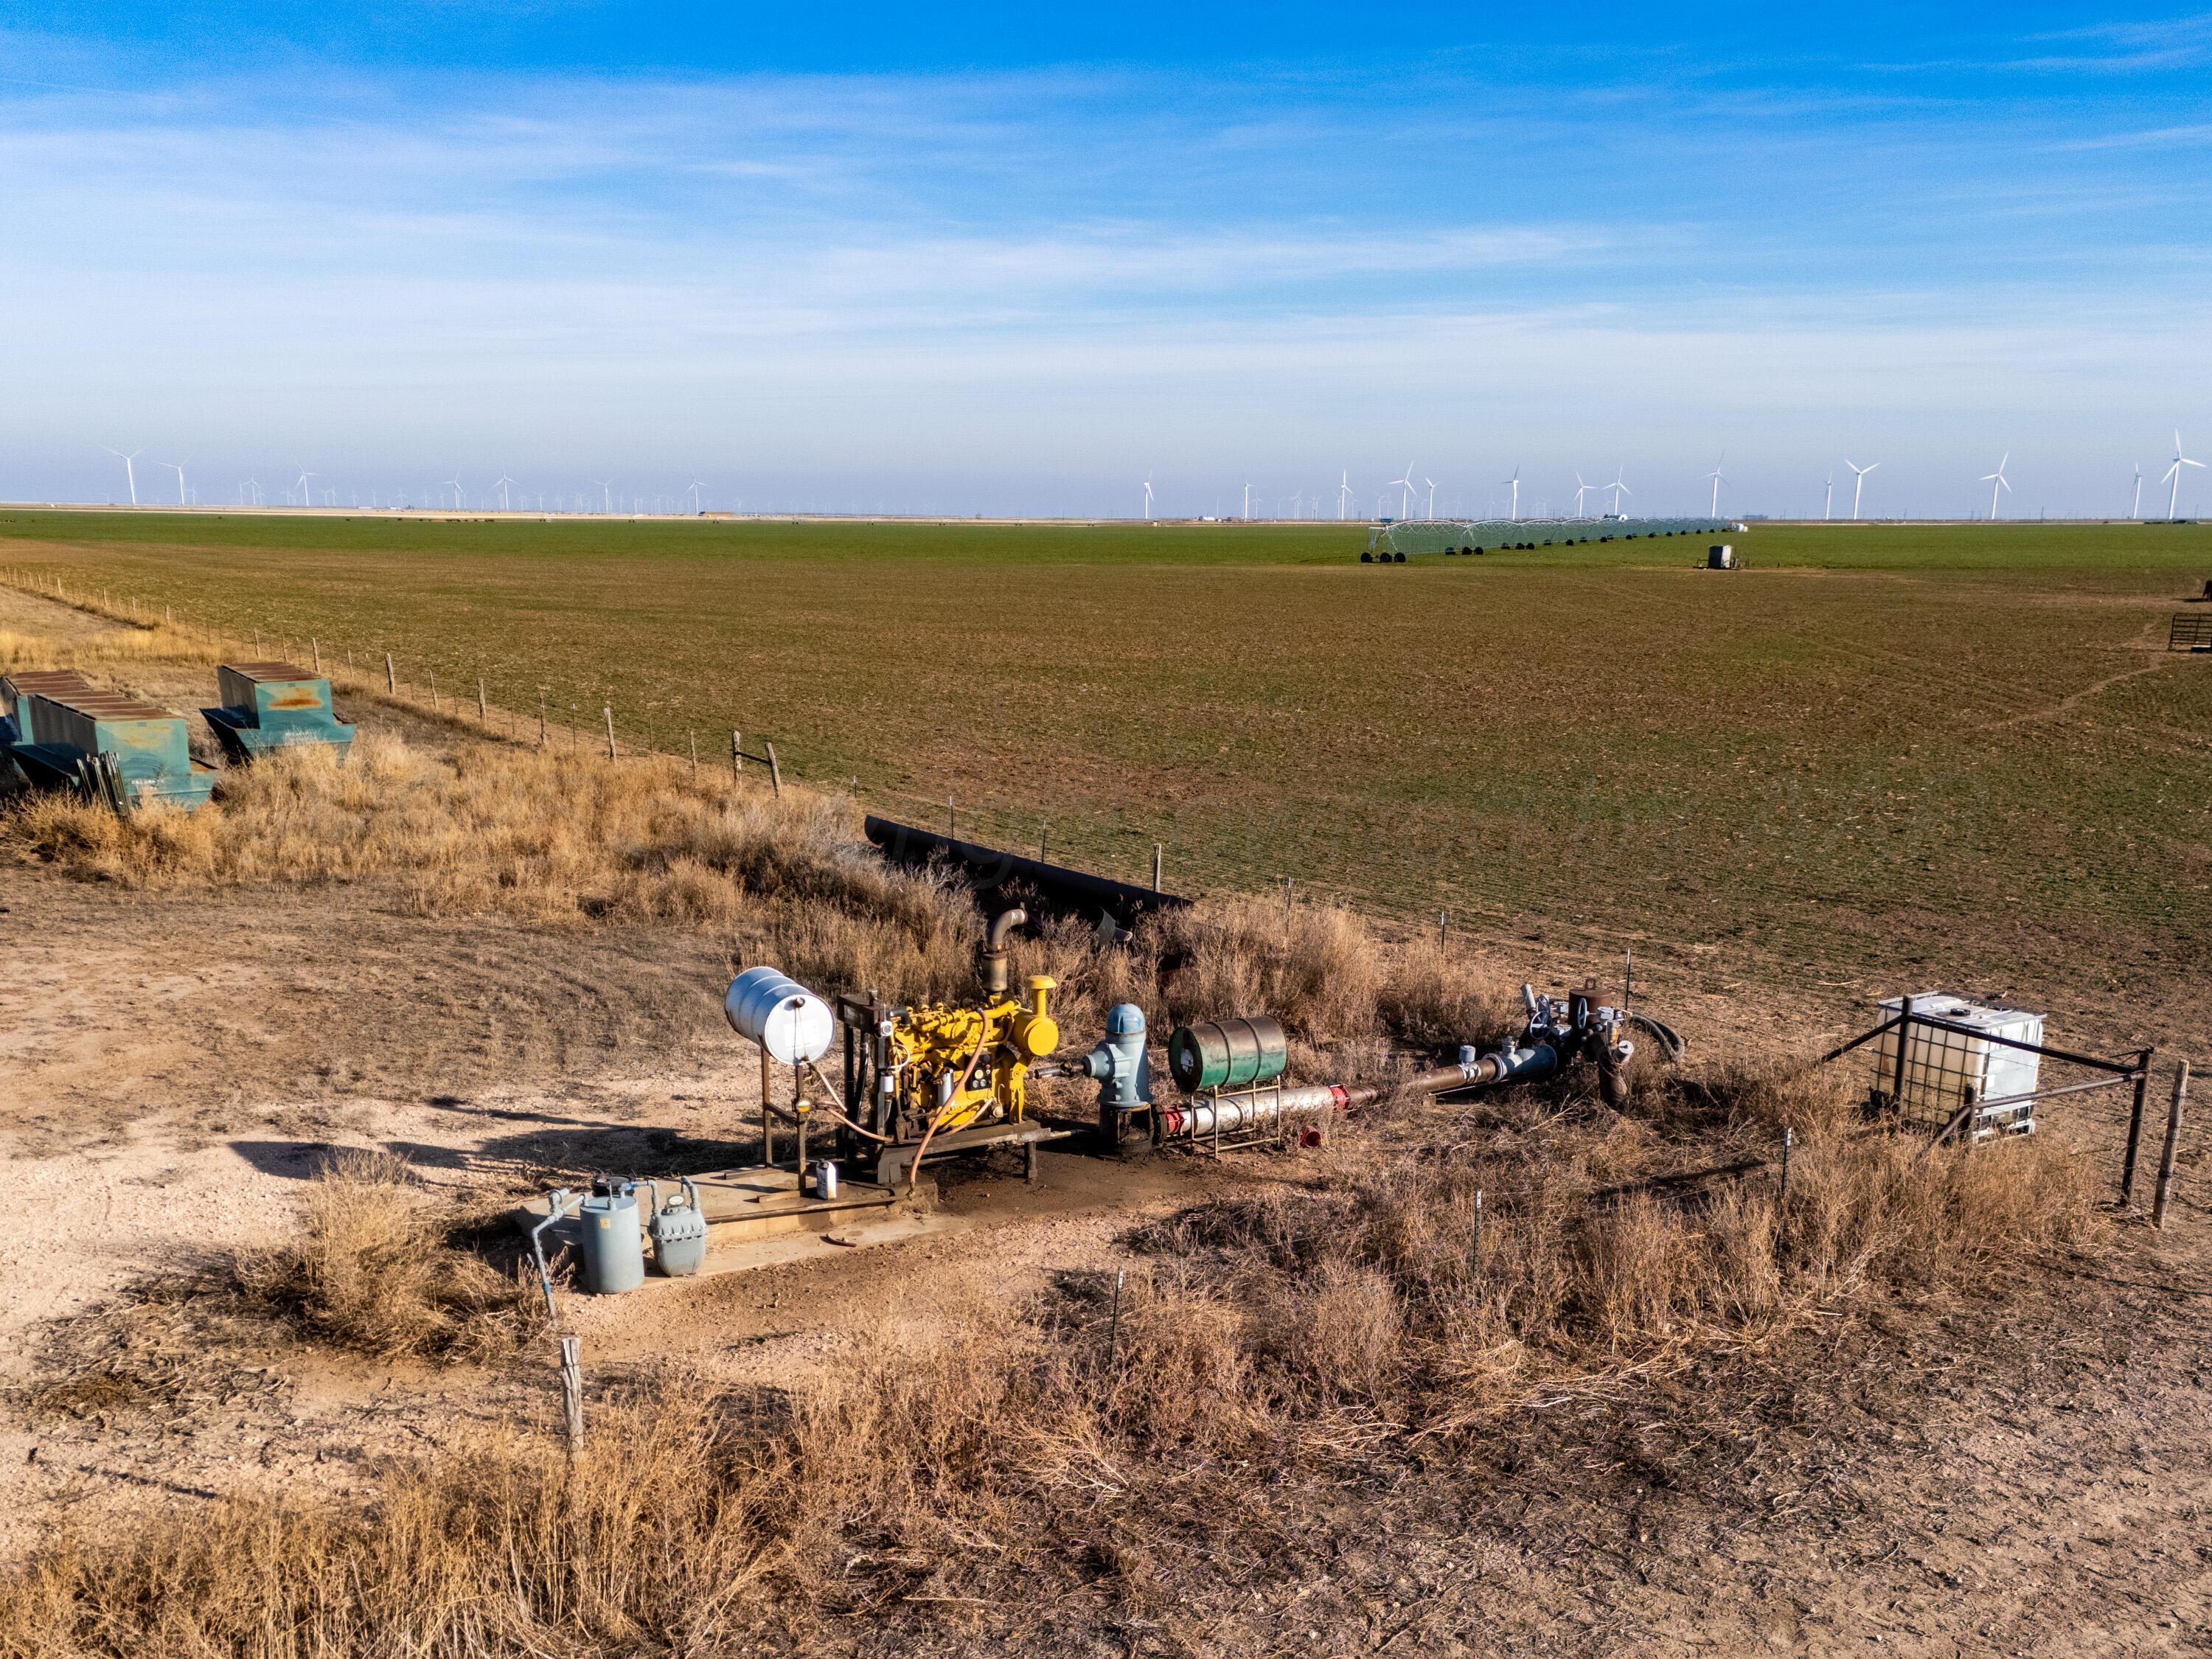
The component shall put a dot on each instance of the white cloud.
(939, 280)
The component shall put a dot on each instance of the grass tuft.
(371, 1270)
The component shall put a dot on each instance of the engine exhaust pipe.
(995, 974)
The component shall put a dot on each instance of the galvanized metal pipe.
(1231, 1114)
(1208, 1115)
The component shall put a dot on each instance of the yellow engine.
(955, 1065)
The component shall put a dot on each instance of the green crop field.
(1961, 746)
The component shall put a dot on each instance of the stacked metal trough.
(273, 705)
(66, 734)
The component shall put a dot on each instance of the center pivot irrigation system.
(842, 1157)
(1390, 543)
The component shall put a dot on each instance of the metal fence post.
(1904, 1039)
(2134, 1134)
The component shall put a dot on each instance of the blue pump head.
(1120, 1065)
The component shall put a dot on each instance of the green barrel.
(1228, 1053)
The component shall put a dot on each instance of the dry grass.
(135, 644)
(1525, 1254)
(373, 1270)
(1013, 1442)
(550, 837)
(1318, 970)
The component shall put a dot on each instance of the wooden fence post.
(775, 772)
(541, 720)
(316, 647)
(1044, 838)
(572, 1390)
(483, 710)
(1155, 866)
(694, 738)
(609, 711)
(737, 756)
(391, 676)
(2173, 1145)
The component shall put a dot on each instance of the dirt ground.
(2025, 1469)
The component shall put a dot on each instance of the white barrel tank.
(793, 1025)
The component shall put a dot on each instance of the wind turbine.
(459, 500)
(1618, 488)
(1405, 487)
(306, 498)
(1515, 481)
(1248, 503)
(2180, 460)
(1581, 490)
(1828, 501)
(2136, 511)
(1343, 494)
(1715, 475)
(1431, 483)
(697, 485)
(1860, 486)
(1148, 498)
(130, 476)
(1997, 481)
(501, 484)
(178, 467)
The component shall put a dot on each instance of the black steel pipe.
(989, 869)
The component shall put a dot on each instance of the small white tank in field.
(1943, 1068)
(781, 1015)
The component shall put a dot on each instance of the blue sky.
(979, 261)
